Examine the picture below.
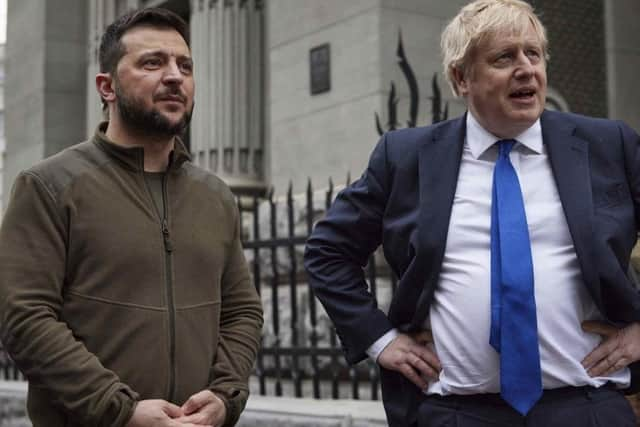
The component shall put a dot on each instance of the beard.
(150, 122)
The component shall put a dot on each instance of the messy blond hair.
(478, 21)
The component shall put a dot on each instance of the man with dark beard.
(124, 294)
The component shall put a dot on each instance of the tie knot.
(505, 146)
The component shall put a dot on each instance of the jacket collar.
(133, 157)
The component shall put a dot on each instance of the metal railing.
(300, 354)
(8, 370)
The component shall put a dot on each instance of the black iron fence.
(8, 371)
(300, 354)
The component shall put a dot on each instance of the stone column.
(257, 89)
(2, 143)
(227, 128)
(198, 27)
(45, 89)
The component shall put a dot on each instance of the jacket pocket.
(130, 340)
(612, 195)
(197, 335)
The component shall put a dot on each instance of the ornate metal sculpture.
(438, 112)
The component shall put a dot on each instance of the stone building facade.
(2, 119)
(258, 123)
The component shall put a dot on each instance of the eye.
(152, 63)
(533, 53)
(186, 67)
(503, 58)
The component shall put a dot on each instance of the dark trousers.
(565, 407)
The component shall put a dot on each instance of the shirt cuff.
(381, 343)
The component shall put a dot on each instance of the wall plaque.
(320, 69)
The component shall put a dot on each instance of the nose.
(524, 66)
(172, 74)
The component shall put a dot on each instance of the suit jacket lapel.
(569, 156)
(438, 164)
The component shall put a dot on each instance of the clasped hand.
(202, 409)
(409, 355)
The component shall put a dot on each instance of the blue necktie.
(514, 331)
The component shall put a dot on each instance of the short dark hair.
(111, 48)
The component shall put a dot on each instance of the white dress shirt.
(460, 315)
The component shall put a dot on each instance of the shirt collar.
(480, 140)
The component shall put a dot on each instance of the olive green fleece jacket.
(105, 301)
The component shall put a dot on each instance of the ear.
(461, 80)
(105, 87)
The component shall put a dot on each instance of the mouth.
(172, 98)
(523, 94)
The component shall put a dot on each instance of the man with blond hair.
(510, 229)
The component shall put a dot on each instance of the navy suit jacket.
(403, 201)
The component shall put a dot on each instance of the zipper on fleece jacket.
(163, 217)
(168, 249)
